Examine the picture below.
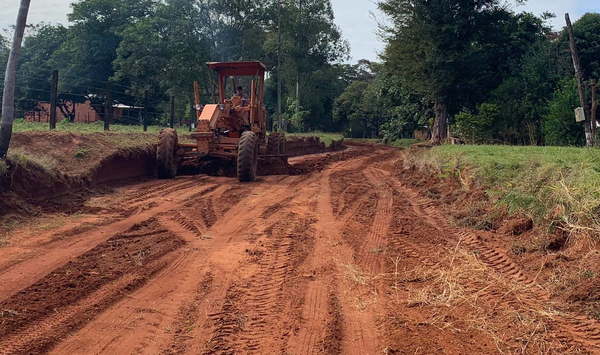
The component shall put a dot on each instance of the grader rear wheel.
(276, 144)
(247, 160)
(273, 144)
(282, 144)
(166, 160)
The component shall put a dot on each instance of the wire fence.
(100, 101)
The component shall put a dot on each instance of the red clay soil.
(352, 257)
(61, 170)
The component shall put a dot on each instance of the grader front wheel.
(247, 160)
(166, 160)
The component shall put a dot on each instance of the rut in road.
(346, 259)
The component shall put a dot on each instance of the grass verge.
(20, 125)
(550, 184)
(326, 138)
(404, 143)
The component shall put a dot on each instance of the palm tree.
(8, 99)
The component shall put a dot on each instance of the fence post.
(107, 111)
(145, 112)
(53, 99)
(172, 120)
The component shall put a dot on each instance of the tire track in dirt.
(252, 318)
(525, 292)
(69, 296)
(358, 334)
(41, 260)
(137, 323)
(140, 323)
(375, 244)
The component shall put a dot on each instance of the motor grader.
(233, 130)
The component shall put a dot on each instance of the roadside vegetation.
(20, 125)
(325, 137)
(555, 186)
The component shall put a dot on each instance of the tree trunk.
(8, 100)
(439, 133)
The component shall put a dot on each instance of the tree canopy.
(475, 69)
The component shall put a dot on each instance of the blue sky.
(357, 18)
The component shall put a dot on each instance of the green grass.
(548, 183)
(326, 138)
(404, 143)
(21, 125)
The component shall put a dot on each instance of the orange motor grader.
(234, 129)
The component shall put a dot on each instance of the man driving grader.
(233, 130)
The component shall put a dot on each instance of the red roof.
(238, 68)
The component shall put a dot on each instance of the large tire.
(166, 159)
(282, 144)
(247, 160)
(274, 144)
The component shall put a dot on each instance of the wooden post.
(197, 99)
(107, 111)
(191, 119)
(172, 120)
(53, 99)
(580, 85)
(145, 112)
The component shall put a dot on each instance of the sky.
(358, 19)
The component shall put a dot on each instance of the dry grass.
(22, 157)
(462, 293)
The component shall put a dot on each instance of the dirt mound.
(296, 146)
(516, 226)
(57, 169)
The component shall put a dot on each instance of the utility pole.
(53, 99)
(145, 113)
(589, 139)
(108, 111)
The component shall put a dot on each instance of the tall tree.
(87, 55)
(432, 43)
(36, 65)
(8, 97)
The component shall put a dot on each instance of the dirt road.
(344, 260)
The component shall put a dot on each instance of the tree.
(4, 51)
(432, 44)
(8, 97)
(87, 55)
(587, 35)
(560, 127)
(310, 42)
(347, 110)
(165, 52)
(37, 64)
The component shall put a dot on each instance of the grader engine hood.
(209, 117)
